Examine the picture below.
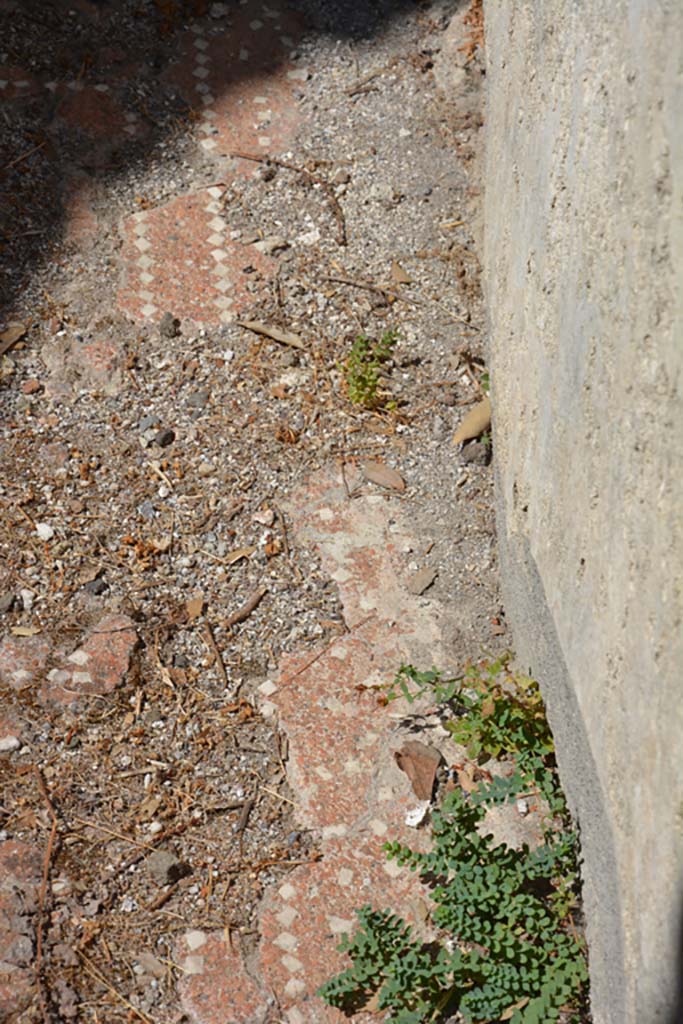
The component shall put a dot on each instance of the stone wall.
(584, 280)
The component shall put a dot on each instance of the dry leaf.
(398, 274)
(148, 808)
(273, 547)
(466, 778)
(194, 606)
(25, 630)
(238, 553)
(13, 333)
(419, 762)
(286, 434)
(161, 545)
(383, 476)
(510, 1012)
(284, 337)
(488, 707)
(372, 1005)
(89, 573)
(475, 422)
(421, 580)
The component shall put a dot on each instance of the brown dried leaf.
(475, 422)
(510, 1012)
(194, 606)
(419, 762)
(383, 476)
(421, 580)
(488, 707)
(238, 553)
(372, 1005)
(284, 337)
(399, 275)
(14, 332)
(466, 777)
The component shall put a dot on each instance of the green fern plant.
(508, 949)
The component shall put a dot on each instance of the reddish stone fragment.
(98, 666)
(22, 660)
(215, 986)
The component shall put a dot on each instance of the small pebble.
(7, 603)
(147, 510)
(199, 399)
(97, 586)
(147, 422)
(165, 868)
(476, 453)
(164, 437)
(169, 326)
(45, 531)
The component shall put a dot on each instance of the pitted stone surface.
(22, 660)
(20, 873)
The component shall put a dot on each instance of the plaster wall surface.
(584, 280)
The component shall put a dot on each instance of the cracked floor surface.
(203, 589)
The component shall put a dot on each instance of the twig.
(313, 179)
(43, 893)
(367, 286)
(24, 156)
(211, 640)
(163, 897)
(160, 473)
(284, 337)
(112, 832)
(247, 608)
(381, 290)
(285, 544)
(274, 792)
(362, 82)
(244, 816)
(94, 973)
(283, 528)
(244, 819)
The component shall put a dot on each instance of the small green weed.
(508, 948)
(361, 369)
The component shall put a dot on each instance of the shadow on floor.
(93, 90)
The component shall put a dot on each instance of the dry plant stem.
(24, 156)
(42, 895)
(94, 973)
(113, 833)
(159, 901)
(247, 608)
(362, 82)
(211, 640)
(313, 179)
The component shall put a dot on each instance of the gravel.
(130, 490)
